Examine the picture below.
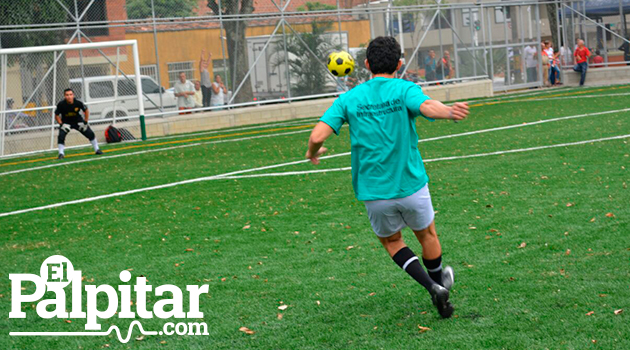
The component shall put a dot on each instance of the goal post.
(104, 75)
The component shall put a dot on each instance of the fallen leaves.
(283, 307)
(140, 338)
(610, 215)
(590, 313)
(189, 250)
(618, 311)
(522, 245)
(247, 227)
(349, 247)
(246, 330)
(568, 252)
(280, 316)
(423, 329)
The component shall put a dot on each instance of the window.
(501, 13)
(466, 16)
(441, 21)
(126, 87)
(101, 89)
(177, 67)
(408, 24)
(97, 12)
(150, 70)
(149, 87)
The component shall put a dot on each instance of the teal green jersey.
(381, 112)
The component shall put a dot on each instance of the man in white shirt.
(185, 92)
(218, 92)
(531, 63)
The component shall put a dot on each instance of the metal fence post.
(3, 104)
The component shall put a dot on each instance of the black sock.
(434, 267)
(408, 261)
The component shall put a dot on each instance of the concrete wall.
(287, 111)
(599, 76)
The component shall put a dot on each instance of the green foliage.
(316, 6)
(18, 12)
(307, 69)
(163, 8)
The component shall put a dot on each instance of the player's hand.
(83, 126)
(315, 158)
(459, 111)
(65, 127)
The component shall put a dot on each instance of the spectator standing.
(554, 72)
(198, 95)
(545, 63)
(445, 68)
(429, 66)
(206, 82)
(218, 92)
(184, 91)
(531, 63)
(581, 56)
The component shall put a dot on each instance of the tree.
(310, 76)
(236, 43)
(138, 9)
(552, 14)
(25, 12)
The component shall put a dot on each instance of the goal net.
(101, 74)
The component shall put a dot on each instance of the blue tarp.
(600, 8)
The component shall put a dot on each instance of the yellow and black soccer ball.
(340, 63)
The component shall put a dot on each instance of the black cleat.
(439, 295)
(98, 152)
(60, 156)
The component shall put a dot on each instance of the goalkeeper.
(68, 115)
(387, 171)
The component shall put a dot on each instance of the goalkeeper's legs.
(89, 134)
(61, 139)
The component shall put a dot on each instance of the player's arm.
(58, 119)
(86, 115)
(319, 134)
(437, 110)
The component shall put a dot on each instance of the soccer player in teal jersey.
(387, 171)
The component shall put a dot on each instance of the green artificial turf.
(538, 239)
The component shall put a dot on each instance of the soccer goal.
(103, 75)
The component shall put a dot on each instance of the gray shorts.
(389, 216)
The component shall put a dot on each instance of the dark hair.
(597, 52)
(383, 55)
(68, 89)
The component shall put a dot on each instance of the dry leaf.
(223, 279)
(140, 338)
(610, 215)
(280, 316)
(246, 227)
(423, 313)
(590, 313)
(569, 204)
(592, 220)
(68, 321)
(372, 294)
(349, 247)
(619, 311)
(522, 245)
(318, 303)
(283, 307)
(472, 228)
(189, 250)
(246, 330)
(423, 329)
(568, 252)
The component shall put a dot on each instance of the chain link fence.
(244, 52)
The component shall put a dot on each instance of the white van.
(101, 89)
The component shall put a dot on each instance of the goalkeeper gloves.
(65, 127)
(83, 126)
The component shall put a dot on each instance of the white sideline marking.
(543, 99)
(304, 131)
(231, 175)
(149, 151)
(304, 121)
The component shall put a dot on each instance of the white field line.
(304, 131)
(304, 121)
(231, 175)
(149, 151)
(543, 99)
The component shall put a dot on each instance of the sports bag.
(112, 134)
